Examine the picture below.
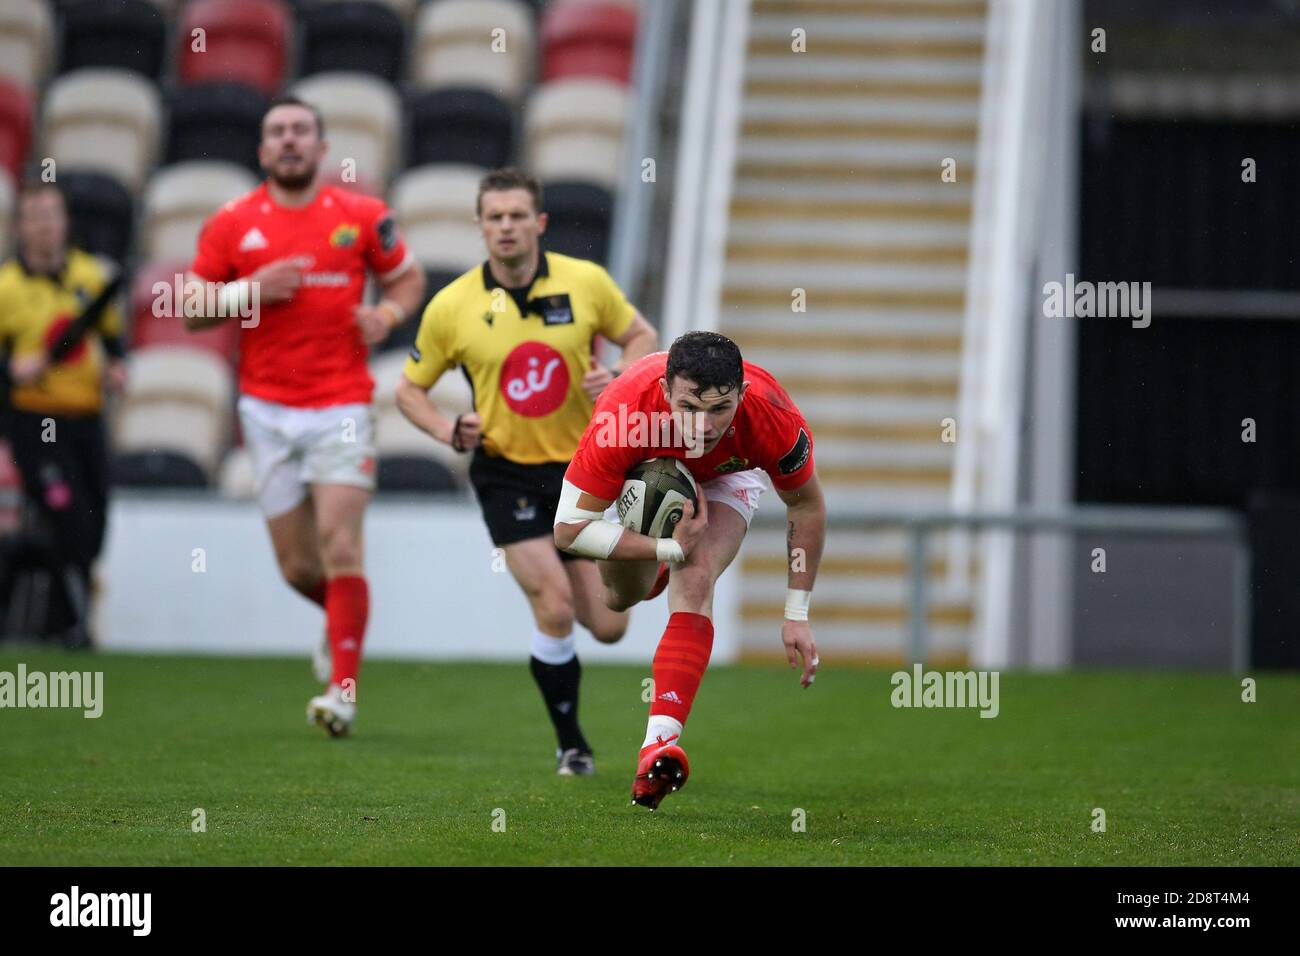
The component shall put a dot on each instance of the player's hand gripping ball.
(654, 493)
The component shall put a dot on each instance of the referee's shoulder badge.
(797, 456)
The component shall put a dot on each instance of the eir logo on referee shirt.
(534, 379)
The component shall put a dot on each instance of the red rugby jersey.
(768, 432)
(308, 351)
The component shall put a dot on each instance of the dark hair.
(500, 180)
(288, 99)
(708, 359)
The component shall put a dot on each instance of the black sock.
(559, 686)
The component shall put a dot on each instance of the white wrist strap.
(796, 604)
(666, 549)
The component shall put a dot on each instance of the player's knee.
(341, 550)
(609, 632)
(554, 612)
(301, 574)
(617, 599)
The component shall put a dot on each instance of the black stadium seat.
(578, 219)
(460, 125)
(126, 34)
(215, 121)
(413, 473)
(101, 209)
(357, 36)
(157, 469)
(403, 337)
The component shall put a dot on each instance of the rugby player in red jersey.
(291, 257)
(734, 418)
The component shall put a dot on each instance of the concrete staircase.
(838, 192)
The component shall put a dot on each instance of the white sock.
(554, 650)
(661, 726)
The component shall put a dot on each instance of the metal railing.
(1104, 519)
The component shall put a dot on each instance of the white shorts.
(293, 447)
(739, 490)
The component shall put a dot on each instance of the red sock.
(680, 661)
(347, 605)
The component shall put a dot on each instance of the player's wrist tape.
(394, 311)
(234, 298)
(796, 604)
(666, 549)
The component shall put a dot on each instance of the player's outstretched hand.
(278, 281)
(468, 433)
(691, 527)
(798, 640)
(594, 382)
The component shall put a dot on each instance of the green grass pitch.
(1186, 772)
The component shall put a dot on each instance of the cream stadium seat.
(435, 208)
(178, 400)
(103, 121)
(180, 198)
(487, 44)
(26, 41)
(573, 130)
(238, 479)
(396, 436)
(362, 125)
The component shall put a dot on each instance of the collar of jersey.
(490, 281)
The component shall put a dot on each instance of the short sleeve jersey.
(525, 364)
(768, 432)
(308, 351)
(35, 310)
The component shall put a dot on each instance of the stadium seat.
(462, 126)
(578, 219)
(362, 122)
(588, 40)
(215, 121)
(102, 213)
(122, 34)
(152, 325)
(403, 337)
(404, 446)
(6, 210)
(103, 121)
(180, 198)
(355, 36)
(15, 126)
(484, 44)
(178, 400)
(246, 41)
(435, 208)
(26, 32)
(590, 150)
(238, 479)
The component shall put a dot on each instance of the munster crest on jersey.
(344, 235)
(734, 463)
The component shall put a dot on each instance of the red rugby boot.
(662, 770)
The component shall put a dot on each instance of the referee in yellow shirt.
(521, 325)
(54, 422)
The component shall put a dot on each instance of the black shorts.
(518, 501)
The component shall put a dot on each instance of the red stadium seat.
(588, 39)
(150, 326)
(15, 126)
(247, 41)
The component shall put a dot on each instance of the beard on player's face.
(292, 170)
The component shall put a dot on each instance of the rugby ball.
(653, 495)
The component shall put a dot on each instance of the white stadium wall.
(434, 593)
